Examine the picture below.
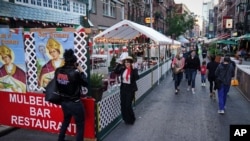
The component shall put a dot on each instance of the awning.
(127, 30)
(90, 23)
(183, 40)
(224, 36)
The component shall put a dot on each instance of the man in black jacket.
(70, 78)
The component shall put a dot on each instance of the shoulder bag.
(51, 94)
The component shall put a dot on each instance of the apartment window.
(33, 2)
(93, 6)
(75, 7)
(112, 9)
(39, 3)
(45, 3)
(109, 8)
(55, 4)
(105, 7)
(50, 3)
(65, 5)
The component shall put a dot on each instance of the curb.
(5, 129)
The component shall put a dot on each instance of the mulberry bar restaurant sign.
(31, 111)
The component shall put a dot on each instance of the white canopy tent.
(127, 30)
(183, 40)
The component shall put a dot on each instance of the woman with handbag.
(224, 73)
(69, 78)
(128, 75)
(178, 68)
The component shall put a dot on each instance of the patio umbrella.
(244, 37)
(227, 42)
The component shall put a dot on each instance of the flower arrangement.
(96, 80)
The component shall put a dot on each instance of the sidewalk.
(162, 115)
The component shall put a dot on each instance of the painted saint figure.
(12, 78)
(54, 50)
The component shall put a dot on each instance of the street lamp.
(151, 13)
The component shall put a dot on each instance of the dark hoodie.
(225, 72)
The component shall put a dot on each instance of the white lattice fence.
(143, 84)
(108, 109)
(31, 60)
(155, 75)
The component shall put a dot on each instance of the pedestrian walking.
(204, 52)
(211, 67)
(128, 75)
(224, 73)
(203, 73)
(178, 68)
(192, 65)
(69, 79)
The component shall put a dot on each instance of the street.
(162, 116)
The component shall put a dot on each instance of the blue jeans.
(76, 110)
(191, 77)
(203, 78)
(222, 96)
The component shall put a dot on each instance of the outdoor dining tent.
(127, 30)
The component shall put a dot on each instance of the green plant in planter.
(96, 80)
(96, 85)
(112, 63)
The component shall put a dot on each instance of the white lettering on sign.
(40, 123)
(39, 112)
(30, 100)
(240, 132)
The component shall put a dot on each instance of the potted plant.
(96, 85)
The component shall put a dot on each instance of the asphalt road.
(164, 116)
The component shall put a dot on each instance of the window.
(39, 3)
(33, 2)
(50, 3)
(65, 5)
(105, 7)
(75, 7)
(55, 4)
(112, 9)
(81, 9)
(93, 6)
(45, 3)
(109, 8)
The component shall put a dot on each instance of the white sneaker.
(204, 84)
(193, 92)
(221, 112)
(201, 84)
(188, 89)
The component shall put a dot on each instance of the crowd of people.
(219, 74)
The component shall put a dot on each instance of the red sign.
(31, 111)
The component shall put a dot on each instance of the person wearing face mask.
(178, 67)
(129, 76)
(192, 65)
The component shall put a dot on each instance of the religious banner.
(12, 61)
(50, 47)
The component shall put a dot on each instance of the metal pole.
(151, 13)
